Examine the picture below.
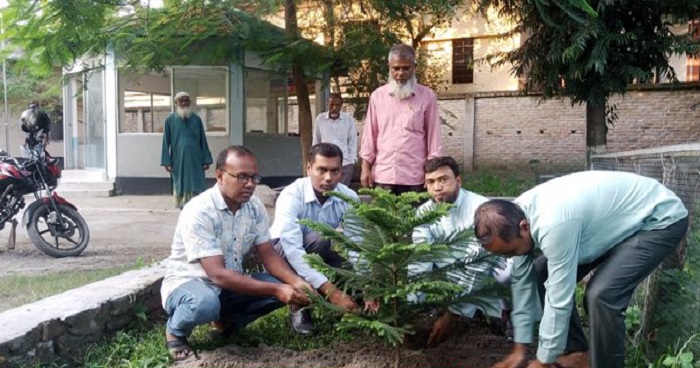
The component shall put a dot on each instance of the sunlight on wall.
(466, 24)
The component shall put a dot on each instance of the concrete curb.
(63, 326)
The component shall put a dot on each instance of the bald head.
(497, 217)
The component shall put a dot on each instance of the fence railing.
(669, 300)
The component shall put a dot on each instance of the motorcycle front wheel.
(66, 238)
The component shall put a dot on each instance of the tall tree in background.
(590, 50)
(361, 32)
(302, 89)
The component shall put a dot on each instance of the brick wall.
(655, 118)
(513, 132)
(453, 114)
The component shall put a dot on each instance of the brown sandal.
(178, 347)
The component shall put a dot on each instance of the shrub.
(376, 238)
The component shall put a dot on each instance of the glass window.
(207, 86)
(265, 101)
(145, 101)
(462, 60)
(293, 109)
(95, 119)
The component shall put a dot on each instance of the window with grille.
(462, 61)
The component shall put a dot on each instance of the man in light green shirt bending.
(620, 224)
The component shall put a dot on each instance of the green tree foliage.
(57, 33)
(589, 50)
(377, 238)
(362, 32)
(25, 85)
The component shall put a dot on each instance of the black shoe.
(301, 322)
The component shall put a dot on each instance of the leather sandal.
(179, 350)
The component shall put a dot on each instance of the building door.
(85, 121)
(95, 120)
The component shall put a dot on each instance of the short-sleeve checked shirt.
(207, 228)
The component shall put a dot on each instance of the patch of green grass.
(275, 330)
(497, 184)
(145, 346)
(142, 347)
(580, 297)
(18, 290)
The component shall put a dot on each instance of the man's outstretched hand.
(514, 359)
(337, 297)
(288, 294)
(342, 300)
(442, 328)
(372, 306)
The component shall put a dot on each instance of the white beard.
(402, 91)
(183, 112)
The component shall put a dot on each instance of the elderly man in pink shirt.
(402, 129)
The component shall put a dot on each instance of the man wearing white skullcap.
(185, 154)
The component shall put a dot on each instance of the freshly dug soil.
(474, 344)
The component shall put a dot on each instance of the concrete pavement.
(127, 203)
(152, 202)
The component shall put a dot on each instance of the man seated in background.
(305, 199)
(444, 184)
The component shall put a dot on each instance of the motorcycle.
(53, 224)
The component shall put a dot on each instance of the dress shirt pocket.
(415, 119)
(248, 240)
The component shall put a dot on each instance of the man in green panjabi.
(185, 155)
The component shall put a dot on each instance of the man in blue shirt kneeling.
(305, 199)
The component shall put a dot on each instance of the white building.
(113, 121)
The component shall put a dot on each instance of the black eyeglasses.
(243, 178)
